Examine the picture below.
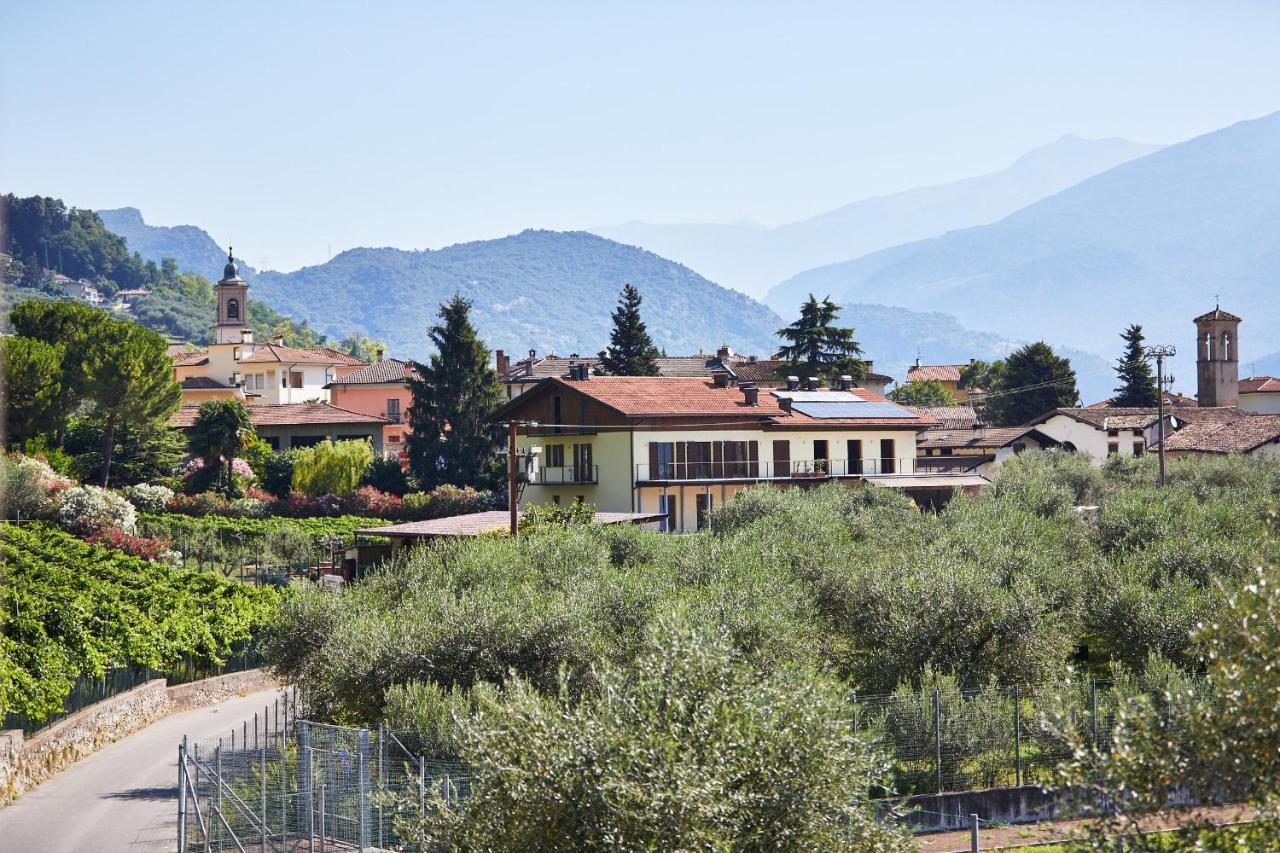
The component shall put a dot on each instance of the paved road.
(123, 797)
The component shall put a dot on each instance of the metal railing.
(546, 475)
(795, 469)
(395, 417)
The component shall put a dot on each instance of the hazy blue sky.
(289, 128)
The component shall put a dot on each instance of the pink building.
(381, 389)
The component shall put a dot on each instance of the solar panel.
(819, 396)
(861, 409)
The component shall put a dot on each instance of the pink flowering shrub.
(135, 546)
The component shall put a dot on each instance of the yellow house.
(947, 374)
(680, 447)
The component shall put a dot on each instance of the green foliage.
(930, 392)
(817, 347)
(277, 473)
(1030, 382)
(362, 347)
(537, 516)
(221, 432)
(78, 330)
(141, 452)
(386, 475)
(69, 609)
(692, 748)
(31, 387)
(1137, 384)
(631, 351)
(331, 468)
(452, 441)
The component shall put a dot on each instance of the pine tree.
(1137, 384)
(816, 347)
(1033, 380)
(631, 351)
(452, 441)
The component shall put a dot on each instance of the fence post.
(364, 782)
(284, 797)
(422, 786)
(217, 787)
(362, 768)
(264, 788)
(182, 795)
(197, 796)
(382, 776)
(305, 778)
(937, 735)
(321, 817)
(973, 833)
(1017, 735)
(1093, 705)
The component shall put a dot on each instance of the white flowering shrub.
(149, 498)
(90, 509)
(250, 508)
(29, 488)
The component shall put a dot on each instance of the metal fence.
(284, 783)
(91, 689)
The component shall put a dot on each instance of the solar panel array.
(861, 409)
(819, 396)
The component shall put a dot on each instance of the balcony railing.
(796, 469)
(394, 417)
(558, 475)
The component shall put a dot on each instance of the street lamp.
(1160, 353)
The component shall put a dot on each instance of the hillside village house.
(82, 291)
(683, 446)
(285, 388)
(382, 389)
(976, 449)
(1250, 435)
(947, 374)
(1260, 395)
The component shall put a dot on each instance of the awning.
(927, 481)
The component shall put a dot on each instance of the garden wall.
(26, 763)
(937, 812)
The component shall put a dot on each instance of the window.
(704, 506)
(1113, 448)
(781, 457)
(667, 506)
(1112, 433)
(887, 461)
(284, 379)
(662, 458)
(233, 310)
(393, 409)
(1019, 447)
(235, 353)
(259, 381)
(583, 470)
(555, 412)
(1138, 448)
(555, 499)
(306, 440)
(394, 438)
(554, 454)
(854, 451)
(295, 378)
(272, 441)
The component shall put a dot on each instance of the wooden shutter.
(782, 457)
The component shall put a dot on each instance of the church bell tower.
(233, 304)
(1217, 359)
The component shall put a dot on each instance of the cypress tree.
(1137, 384)
(817, 347)
(453, 394)
(631, 351)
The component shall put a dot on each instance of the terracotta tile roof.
(1241, 435)
(189, 359)
(192, 383)
(1108, 418)
(763, 370)
(941, 372)
(276, 354)
(1171, 398)
(476, 523)
(557, 367)
(949, 417)
(1208, 414)
(689, 365)
(1217, 314)
(978, 438)
(338, 356)
(387, 371)
(660, 396)
(1260, 385)
(287, 414)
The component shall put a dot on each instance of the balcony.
(796, 469)
(395, 417)
(563, 475)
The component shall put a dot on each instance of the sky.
(296, 130)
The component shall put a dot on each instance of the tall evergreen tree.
(1032, 381)
(631, 351)
(452, 442)
(817, 347)
(31, 387)
(1137, 384)
(75, 328)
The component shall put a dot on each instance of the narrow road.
(123, 797)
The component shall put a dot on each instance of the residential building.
(1260, 395)
(81, 291)
(682, 446)
(1100, 433)
(1251, 435)
(382, 389)
(947, 374)
(292, 425)
(976, 449)
(948, 417)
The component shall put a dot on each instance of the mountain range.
(749, 257)
(1155, 241)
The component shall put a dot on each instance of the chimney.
(812, 384)
(846, 382)
(377, 355)
(724, 352)
(278, 340)
(721, 380)
(972, 360)
(500, 361)
(751, 394)
(917, 361)
(533, 353)
(793, 383)
(246, 336)
(784, 403)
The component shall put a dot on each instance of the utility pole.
(1160, 353)
(512, 476)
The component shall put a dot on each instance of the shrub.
(367, 500)
(203, 503)
(159, 550)
(447, 500)
(537, 516)
(29, 488)
(90, 509)
(148, 498)
(331, 468)
(248, 507)
(693, 748)
(386, 475)
(277, 473)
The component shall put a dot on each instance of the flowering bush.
(445, 501)
(247, 507)
(149, 498)
(327, 505)
(89, 509)
(29, 488)
(367, 500)
(241, 468)
(159, 550)
(204, 503)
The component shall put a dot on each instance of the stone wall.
(26, 763)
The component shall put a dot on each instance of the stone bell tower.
(1217, 359)
(233, 304)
